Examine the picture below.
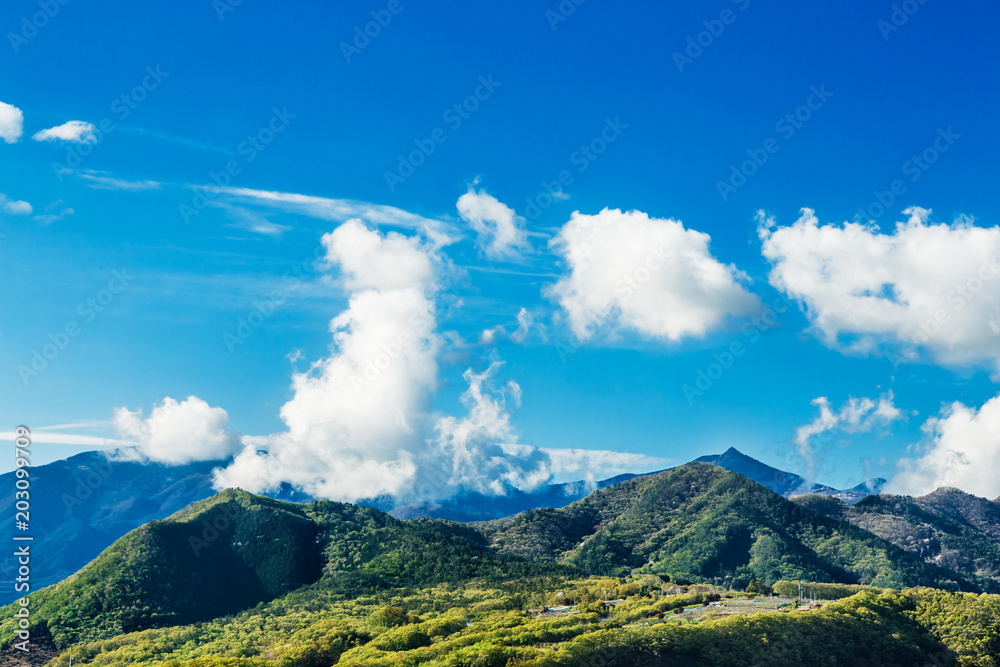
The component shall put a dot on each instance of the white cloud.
(11, 123)
(340, 210)
(369, 260)
(54, 211)
(962, 450)
(252, 221)
(632, 272)
(178, 432)
(41, 435)
(501, 233)
(75, 131)
(356, 418)
(856, 415)
(926, 289)
(101, 181)
(593, 465)
(475, 451)
(359, 423)
(525, 323)
(14, 207)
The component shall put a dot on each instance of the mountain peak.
(946, 492)
(779, 481)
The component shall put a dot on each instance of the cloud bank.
(925, 290)
(962, 450)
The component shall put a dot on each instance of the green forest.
(693, 566)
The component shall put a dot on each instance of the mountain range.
(273, 563)
(84, 503)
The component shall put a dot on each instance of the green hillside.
(232, 551)
(949, 527)
(216, 557)
(644, 572)
(703, 523)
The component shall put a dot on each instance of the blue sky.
(199, 79)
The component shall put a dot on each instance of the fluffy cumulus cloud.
(359, 423)
(924, 290)
(11, 123)
(649, 275)
(500, 231)
(74, 131)
(355, 418)
(178, 432)
(477, 451)
(14, 206)
(856, 415)
(961, 449)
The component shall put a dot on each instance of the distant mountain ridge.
(80, 505)
(703, 523)
(786, 483)
(235, 550)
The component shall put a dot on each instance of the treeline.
(822, 591)
(486, 627)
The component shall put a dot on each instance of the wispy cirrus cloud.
(100, 180)
(252, 221)
(54, 212)
(339, 210)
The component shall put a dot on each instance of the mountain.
(785, 483)
(235, 550)
(82, 504)
(264, 581)
(472, 506)
(703, 523)
(947, 527)
(481, 507)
